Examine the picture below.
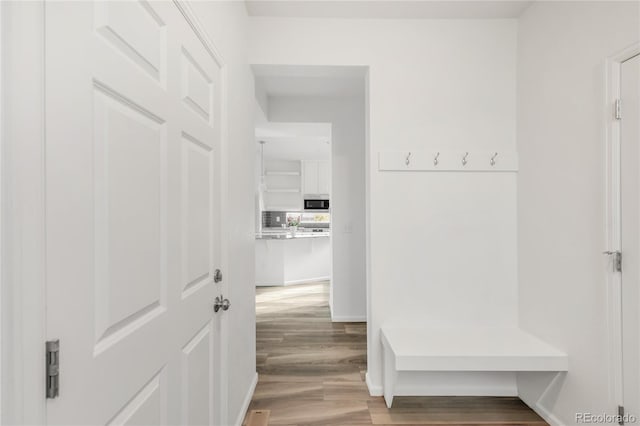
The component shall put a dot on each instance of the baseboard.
(348, 318)
(247, 401)
(543, 412)
(448, 391)
(293, 282)
(546, 415)
(535, 400)
(374, 390)
(307, 280)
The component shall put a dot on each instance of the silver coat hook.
(493, 159)
(435, 159)
(407, 161)
(464, 159)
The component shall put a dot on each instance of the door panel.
(133, 175)
(197, 87)
(197, 390)
(197, 212)
(147, 407)
(136, 30)
(630, 197)
(129, 175)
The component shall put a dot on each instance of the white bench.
(464, 349)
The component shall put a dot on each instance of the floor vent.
(258, 418)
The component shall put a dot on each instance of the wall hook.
(493, 159)
(407, 161)
(435, 159)
(464, 159)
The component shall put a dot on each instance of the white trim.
(2, 203)
(546, 415)
(197, 27)
(374, 390)
(369, 173)
(538, 406)
(247, 400)
(293, 282)
(613, 219)
(347, 318)
(199, 30)
(307, 280)
(24, 243)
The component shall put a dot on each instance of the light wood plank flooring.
(311, 372)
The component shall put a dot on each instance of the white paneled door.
(133, 174)
(630, 235)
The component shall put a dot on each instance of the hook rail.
(448, 161)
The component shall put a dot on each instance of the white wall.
(262, 100)
(562, 47)
(226, 23)
(346, 115)
(442, 246)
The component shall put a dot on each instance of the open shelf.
(283, 190)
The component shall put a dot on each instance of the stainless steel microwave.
(316, 204)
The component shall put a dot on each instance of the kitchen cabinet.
(317, 177)
(292, 261)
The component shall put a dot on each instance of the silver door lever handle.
(221, 303)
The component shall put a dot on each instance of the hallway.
(311, 371)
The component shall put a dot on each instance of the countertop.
(286, 235)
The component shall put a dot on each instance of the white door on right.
(630, 197)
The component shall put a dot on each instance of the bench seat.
(464, 349)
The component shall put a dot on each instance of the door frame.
(23, 210)
(23, 213)
(613, 218)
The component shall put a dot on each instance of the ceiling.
(389, 9)
(295, 141)
(316, 81)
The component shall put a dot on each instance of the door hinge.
(53, 368)
(620, 415)
(617, 111)
(617, 260)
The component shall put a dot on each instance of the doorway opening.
(311, 174)
(622, 230)
(311, 297)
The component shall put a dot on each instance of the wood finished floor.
(311, 372)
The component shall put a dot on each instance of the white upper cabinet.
(310, 177)
(317, 177)
(324, 177)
